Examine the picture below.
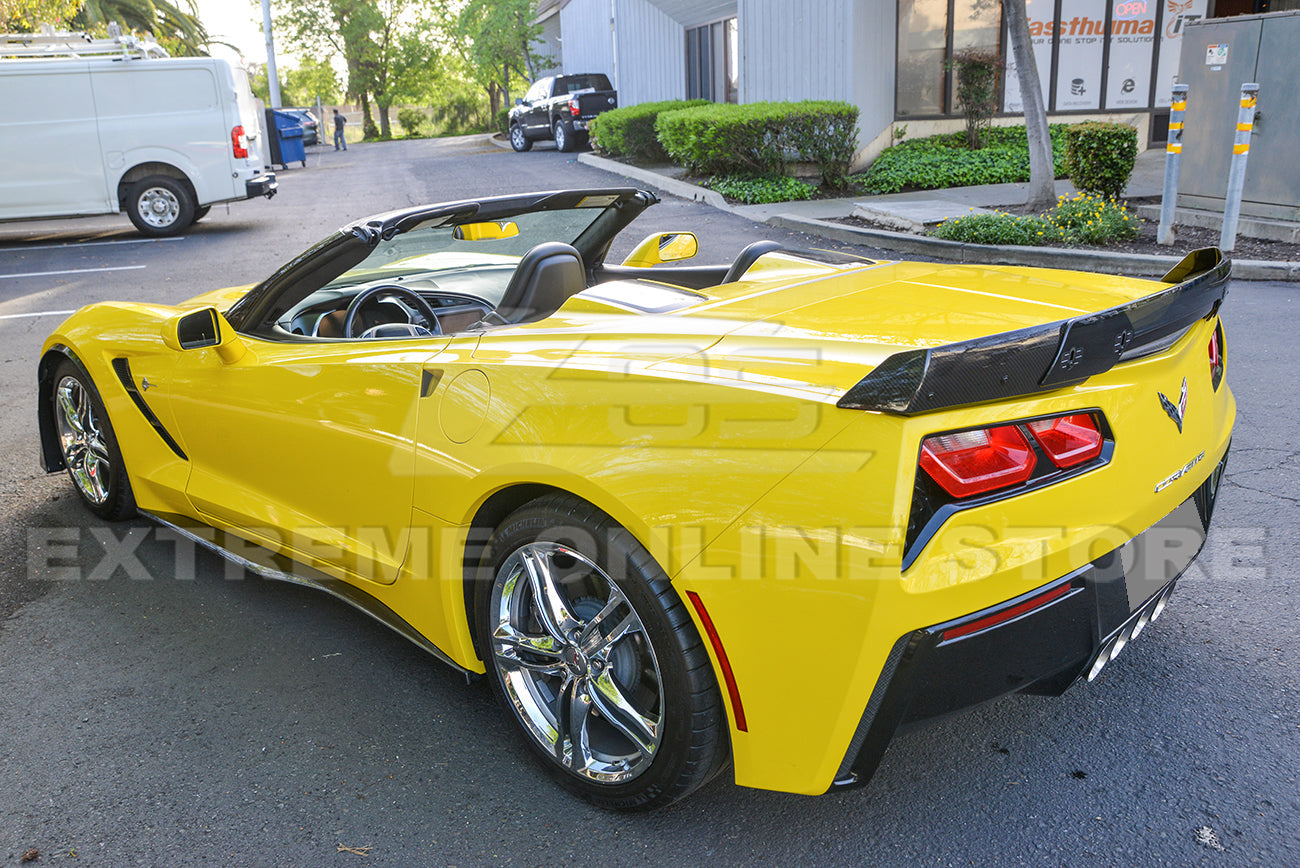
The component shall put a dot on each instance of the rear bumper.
(262, 185)
(1040, 642)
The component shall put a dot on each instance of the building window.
(713, 62)
(928, 32)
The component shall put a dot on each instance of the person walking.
(339, 139)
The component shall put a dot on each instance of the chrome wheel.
(517, 137)
(561, 137)
(158, 207)
(575, 663)
(81, 438)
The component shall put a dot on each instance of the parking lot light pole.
(272, 79)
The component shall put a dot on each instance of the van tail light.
(1216, 356)
(974, 462)
(239, 143)
(573, 107)
(1068, 440)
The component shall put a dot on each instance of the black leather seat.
(748, 257)
(545, 278)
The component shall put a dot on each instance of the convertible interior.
(445, 275)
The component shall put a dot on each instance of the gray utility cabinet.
(1263, 49)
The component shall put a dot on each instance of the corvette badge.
(1176, 412)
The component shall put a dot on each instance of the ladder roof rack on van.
(49, 44)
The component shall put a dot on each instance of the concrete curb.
(1130, 264)
(681, 189)
(499, 140)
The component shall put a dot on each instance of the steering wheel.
(410, 296)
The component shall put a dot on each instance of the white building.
(1096, 58)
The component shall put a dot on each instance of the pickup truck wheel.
(518, 140)
(564, 137)
(159, 205)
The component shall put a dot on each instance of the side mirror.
(664, 247)
(519, 100)
(204, 327)
(485, 231)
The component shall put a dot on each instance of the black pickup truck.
(560, 107)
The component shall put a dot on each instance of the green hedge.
(630, 131)
(1099, 157)
(760, 138)
(942, 161)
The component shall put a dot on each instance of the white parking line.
(72, 271)
(39, 313)
(26, 247)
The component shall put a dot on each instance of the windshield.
(479, 258)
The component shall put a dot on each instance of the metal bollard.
(1237, 174)
(1173, 159)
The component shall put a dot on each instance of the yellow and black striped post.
(1173, 158)
(1237, 174)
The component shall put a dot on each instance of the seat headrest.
(544, 280)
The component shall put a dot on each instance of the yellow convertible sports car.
(683, 517)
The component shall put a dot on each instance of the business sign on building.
(1177, 15)
(1123, 38)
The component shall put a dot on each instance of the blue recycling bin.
(287, 145)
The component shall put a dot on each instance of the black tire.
(160, 206)
(200, 213)
(519, 139)
(565, 138)
(89, 445)
(645, 700)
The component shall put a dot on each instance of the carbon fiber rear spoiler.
(1051, 356)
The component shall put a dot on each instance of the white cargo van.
(102, 126)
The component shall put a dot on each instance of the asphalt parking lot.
(159, 711)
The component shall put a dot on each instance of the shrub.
(630, 131)
(411, 120)
(1099, 157)
(460, 111)
(944, 160)
(998, 228)
(758, 138)
(977, 90)
(1091, 219)
(761, 189)
(1084, 219)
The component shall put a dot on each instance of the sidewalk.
(911, 212)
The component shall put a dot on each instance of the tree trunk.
(1042, 171)
(368, 123)
(385, 129)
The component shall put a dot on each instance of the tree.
(178, 30)
(25, 16)
(377, 39)
(496, 38)
(1042, 170)
(312, 79)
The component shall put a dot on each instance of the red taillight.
(1068, 440)
(974, 462)
(239, 143)
(1216, 357)
(573, 107)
